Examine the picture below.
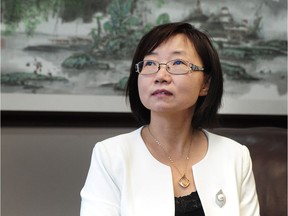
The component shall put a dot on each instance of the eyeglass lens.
(174, 66)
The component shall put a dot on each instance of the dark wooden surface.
(93, 119)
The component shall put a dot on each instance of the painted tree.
(116, 37)
(33, 12)
(123, 29)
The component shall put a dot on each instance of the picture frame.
(118, 104)
(242, 96)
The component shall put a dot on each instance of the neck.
(175, 133)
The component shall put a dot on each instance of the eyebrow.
(173, 53)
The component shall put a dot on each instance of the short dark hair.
(206, 109)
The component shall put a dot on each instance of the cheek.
(142, 90)
(197, 83)
(140, 86)
(191, 85)
(190, 90)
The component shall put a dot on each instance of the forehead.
(178, 44)
(177, 39)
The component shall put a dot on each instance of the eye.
(179, 62)
(148, 63)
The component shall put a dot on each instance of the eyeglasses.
(177, 67)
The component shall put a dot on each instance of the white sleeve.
(249, 204)
(100, 195)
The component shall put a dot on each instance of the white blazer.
(124, 179)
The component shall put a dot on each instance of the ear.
(205, 88)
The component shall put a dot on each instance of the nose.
(162, 75)
(165, 66)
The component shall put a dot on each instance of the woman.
(171, 165)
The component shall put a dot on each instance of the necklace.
(184, 182)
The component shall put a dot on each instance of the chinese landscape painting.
(83, 48)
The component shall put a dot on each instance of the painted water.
(80, 81)
(270, 71)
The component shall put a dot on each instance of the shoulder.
(114, 154)
(118, 145)
(222, 141)
(120, 139)
(225, 152)
(229, 148)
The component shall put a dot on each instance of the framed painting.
(75, 56)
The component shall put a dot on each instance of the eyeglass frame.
(190, 65)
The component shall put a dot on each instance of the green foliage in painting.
(163, 18)
(160, 3)
(33, 12)
(123, 30)
(114, 37)
(24, 78)
(30, 12)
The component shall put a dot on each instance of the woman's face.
(165, 92)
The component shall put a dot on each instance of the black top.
(189, 205)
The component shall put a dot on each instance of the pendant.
(184, 182)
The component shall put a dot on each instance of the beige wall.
(44, 169)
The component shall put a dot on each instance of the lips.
(161, 92)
